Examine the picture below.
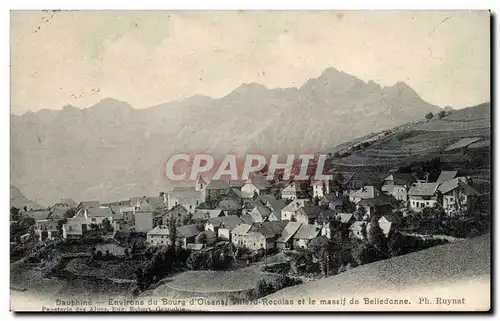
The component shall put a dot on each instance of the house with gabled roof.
(320, 188)
(379, 204)
(260, 213)
(333, 202)
(189, 197)
(255, 185)
(365, 192)
(289, 211)
(231, 204)
(292, 191)
(397, 185)
(459, 197)
(217, 189)
(285, 241)
(160, 235)
(178, 213)
(422, 195)
(307, 214)
(305, 234)
(275, 205)
(223, 226)
(96, 215)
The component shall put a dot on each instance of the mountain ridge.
(111, 151)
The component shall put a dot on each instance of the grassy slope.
(420, 140)
(461, 263)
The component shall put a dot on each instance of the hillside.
(111, 151)
(18, 200)
(455, 270)
(423, 140)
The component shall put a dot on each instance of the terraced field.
(420, 140)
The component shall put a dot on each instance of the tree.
(441, 114)
(348, 206)
(377, 238)
(60, 224)
(326, 254)
(429, 116)
(14, 214)
(172, 233)
(395, 244)
(360, 213)
(99, 254)
(106, 224)
(71, 212)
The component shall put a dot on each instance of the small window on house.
(427, 203)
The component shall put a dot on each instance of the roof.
(294, 205)
(459, 182)
(449, 185)
(39, 214)
(68, 201)
(230, 222)
(230, 203)
(276, 227)
(307, 231)
(260, 182)
(365, 192)
(446, 176)
(464, 142)
(344, 217)
(156, 202)
(242, 228)
(218, 184)
(202, 214)
(391, 218)
(185, 195)
(292, 188)
(236, 192)
(264, 211)
(276, 205)
(188, 231)
(89, 204)
(401, 178)
(380, 200)
(332, 198)
(247, 219)
(423, 189)
(326, 214)
(311, 211)
(289, 231)
(100, 212)
(236, 184)
(159, 230)
(177, 208)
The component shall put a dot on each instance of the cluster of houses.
(259, 215)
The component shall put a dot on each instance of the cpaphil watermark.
(300, 167)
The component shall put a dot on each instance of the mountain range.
(112, 151)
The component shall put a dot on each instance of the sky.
(151, 57)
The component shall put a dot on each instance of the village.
(298, 230)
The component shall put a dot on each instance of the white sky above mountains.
(150, 57)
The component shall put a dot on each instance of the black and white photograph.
(250, 160)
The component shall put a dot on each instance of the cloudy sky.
(150, 57)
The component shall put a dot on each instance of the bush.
(266, 287)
